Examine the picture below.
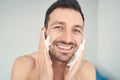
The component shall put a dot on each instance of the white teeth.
(64, 47)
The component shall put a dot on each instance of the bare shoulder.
(22, 66)
(24, 61)
(87, 65)
(88, 70)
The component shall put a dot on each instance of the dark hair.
(73, 4)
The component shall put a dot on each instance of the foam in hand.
(47, 43)
(76, 56)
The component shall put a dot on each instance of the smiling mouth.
(64, 47)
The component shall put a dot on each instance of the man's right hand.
(44, 62)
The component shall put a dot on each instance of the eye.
(58, 27)
(77, 31)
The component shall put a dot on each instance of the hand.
(72, 74)
(45, 66)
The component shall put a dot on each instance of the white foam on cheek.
(76, 56)
(47, 43)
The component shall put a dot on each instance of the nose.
(67, 37)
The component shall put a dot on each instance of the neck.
(58, 68)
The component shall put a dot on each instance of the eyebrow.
(58, 22)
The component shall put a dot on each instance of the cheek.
(53, 36)
(78, 39)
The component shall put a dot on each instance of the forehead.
(68, 16)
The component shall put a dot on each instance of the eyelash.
(58, 27)
(76, 30)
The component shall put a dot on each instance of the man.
(64, 23)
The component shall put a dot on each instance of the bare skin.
(65, 26)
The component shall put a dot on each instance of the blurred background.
(21, 21)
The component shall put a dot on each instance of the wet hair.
(70, 4)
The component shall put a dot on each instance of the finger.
(41, 45)
(47, 44)
(43, 52)
(84, 42)
(80, 59)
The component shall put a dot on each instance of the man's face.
(65, 28)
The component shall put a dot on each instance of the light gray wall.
(89, 8)
(108, 58)
(20, 23)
